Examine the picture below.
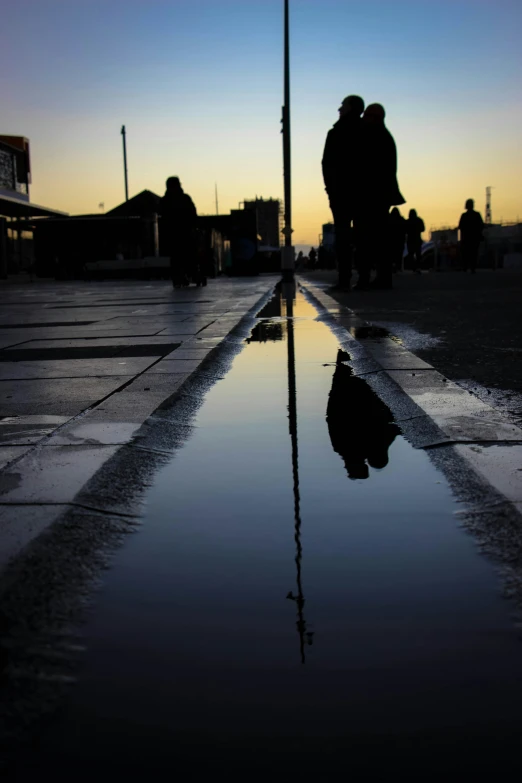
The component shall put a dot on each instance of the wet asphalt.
(304, 589)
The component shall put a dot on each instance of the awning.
(14, 207)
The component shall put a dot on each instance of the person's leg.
(174, 276)
(382, 250)
(466, 257)
(417, 258)
(473, 259)
(343, 242)
(363, 235)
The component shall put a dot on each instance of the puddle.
(300, 576)
(369, 332)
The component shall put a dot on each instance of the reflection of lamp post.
(305, 637)
(287, 252)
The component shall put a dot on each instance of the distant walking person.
(341, 173)
(180, 224)
(471, 227)
(379, 191)
(312, 257)
(396, 238)
(414, 229)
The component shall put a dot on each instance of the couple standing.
(360, 176)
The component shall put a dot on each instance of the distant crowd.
(360, 176)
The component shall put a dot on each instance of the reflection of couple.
(360, 425)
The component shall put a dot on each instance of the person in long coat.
(471, 227)
(341, 165)
(396, 238)
(179, 221)
(379, 191)
(414, 228)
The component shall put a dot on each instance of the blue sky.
(199, 86)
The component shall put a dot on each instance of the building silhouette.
(269, 220)
(17, 213)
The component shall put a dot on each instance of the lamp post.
(287, 252)
(125, 173)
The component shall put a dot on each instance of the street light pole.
(287, 252)
(124, 135)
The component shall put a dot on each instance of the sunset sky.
(199, 85)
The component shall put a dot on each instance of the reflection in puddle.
(360, 425)
(252, 532)
(266, 331)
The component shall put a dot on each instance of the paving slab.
(392, 356)
(197, 352)
(52, 474)
(95, 429)
(91, 342)
(10, 453)
(52, 396)
(20, 524)
(140, 399)
(500, 465)
(29, 429)
(174, 327)
(74, 368)
(173, 366)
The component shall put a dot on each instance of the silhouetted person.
(360, 425)
(299, 261)
(396, 238)
(414, 229)
(341, 173)
(180, 223)
(471, 227)
(312, 258)
(379, 191)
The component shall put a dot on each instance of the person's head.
(374, 114)
(173, 184)
(352, 105)
(413, 213)
(470, 203)
(395, 213)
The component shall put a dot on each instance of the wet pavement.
(82, 366)
(467, 326)
(300, 591)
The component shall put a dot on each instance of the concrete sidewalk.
(82, 366)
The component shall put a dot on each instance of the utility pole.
(124, 135)
(217, 202)
(287, 252)
(488, 218)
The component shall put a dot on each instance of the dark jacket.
(471, 227)
(379, 181)
(179, 221)
(397, 229)
(342, 159)
(414, 228)
(179, 210)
